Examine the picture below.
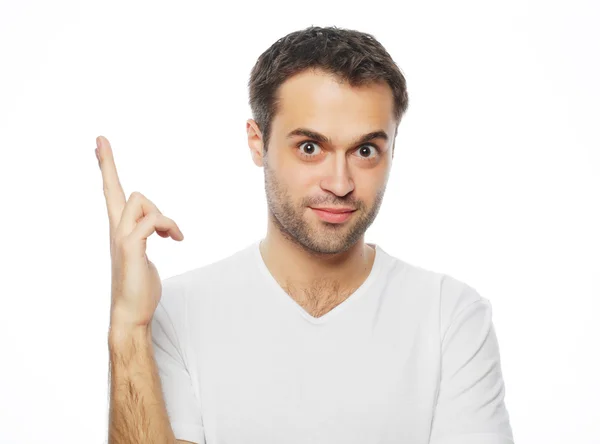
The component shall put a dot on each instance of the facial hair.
(291, 221)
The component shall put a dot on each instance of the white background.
(495, 180)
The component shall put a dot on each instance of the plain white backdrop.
(495, 180)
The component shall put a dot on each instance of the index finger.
(113, 192)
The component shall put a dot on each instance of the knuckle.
(135, 195)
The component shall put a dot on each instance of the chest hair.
(320, 297)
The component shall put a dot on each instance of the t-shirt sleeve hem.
(188, 432)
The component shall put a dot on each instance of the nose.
(338, 177)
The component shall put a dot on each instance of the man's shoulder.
(416, 279)
(448, 293)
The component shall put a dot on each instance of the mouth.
(335, 217)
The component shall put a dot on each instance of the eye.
(310, 148)
(366, 149)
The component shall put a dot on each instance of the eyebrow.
(380, 134)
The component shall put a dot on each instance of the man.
(309, 335)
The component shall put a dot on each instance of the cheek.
(301, 181)
(368, 182)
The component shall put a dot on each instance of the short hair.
(352, 56)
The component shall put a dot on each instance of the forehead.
(315, 98)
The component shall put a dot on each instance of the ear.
(255, 142)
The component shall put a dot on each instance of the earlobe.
(256, 151)
(257, 157)
(255, 142)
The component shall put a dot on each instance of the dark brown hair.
(352, 56)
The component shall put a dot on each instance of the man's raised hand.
(136, 286)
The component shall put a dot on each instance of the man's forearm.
(137, 412)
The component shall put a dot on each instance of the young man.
(309, 335)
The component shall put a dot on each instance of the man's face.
(302, 172)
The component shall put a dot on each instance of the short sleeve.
(470, 407)
(168, 334)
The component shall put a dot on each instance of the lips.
(334, 218)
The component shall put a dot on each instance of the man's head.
(314, 94)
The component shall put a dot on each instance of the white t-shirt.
(410, 357)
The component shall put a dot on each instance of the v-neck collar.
(280, 292)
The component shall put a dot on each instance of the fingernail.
(98, 142)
